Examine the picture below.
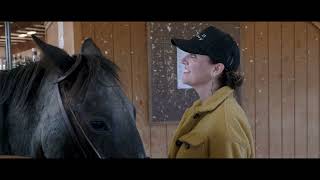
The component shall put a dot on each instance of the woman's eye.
(193, 56)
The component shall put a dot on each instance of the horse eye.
(99, 126)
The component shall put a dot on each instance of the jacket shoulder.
(228, 122)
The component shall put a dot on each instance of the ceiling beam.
(18, 26)
(21, 38)
(39, 25)
(35, 29)
(25, 32)
(23, 46)
(13, 40)
(19, 44)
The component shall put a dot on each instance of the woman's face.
(197, 69)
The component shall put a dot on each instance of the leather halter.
(71, 118)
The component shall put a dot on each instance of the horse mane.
(92, 61)
(19, 85)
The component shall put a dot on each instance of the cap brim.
(190, 46)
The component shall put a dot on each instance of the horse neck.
(3, 137)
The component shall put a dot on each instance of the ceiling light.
(31, 32)
(23, 35)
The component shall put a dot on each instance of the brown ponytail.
(231, 78)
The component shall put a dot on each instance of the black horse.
(67, 107)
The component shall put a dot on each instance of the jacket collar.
(199, 109)
(213, 101)
(196, 111)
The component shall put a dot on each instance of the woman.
(215, 126)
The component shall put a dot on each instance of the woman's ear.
(217, 69)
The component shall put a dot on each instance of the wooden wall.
(280, 94)
(281, 89)
(52, 33)
(67, 34)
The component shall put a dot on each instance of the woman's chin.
(186, 82)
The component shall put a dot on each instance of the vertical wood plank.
(287, 89)
(158, 141)
(87, 30)
(77, 36)
(247, 56)
(122, 56)
(275, 89)
(313, 90)
(52, 34)
(68, 32)
(140, 81)
(261, 81)
(171, 128)
(104, 39)
(300, 90)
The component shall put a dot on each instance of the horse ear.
(59, 57)
(90, 48)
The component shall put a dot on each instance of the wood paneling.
(159, 141)
(275, 123)
(248, 64)
(261, 82)
(300, 104)
(287, 103)
(287, 56)
(140, 81)
(122, 55)
(313, 90)
(52, 34)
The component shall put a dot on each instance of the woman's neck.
(206, 90)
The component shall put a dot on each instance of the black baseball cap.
(218, 45)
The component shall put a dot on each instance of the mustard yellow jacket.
(216, 128)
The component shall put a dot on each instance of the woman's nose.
(184, 60)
